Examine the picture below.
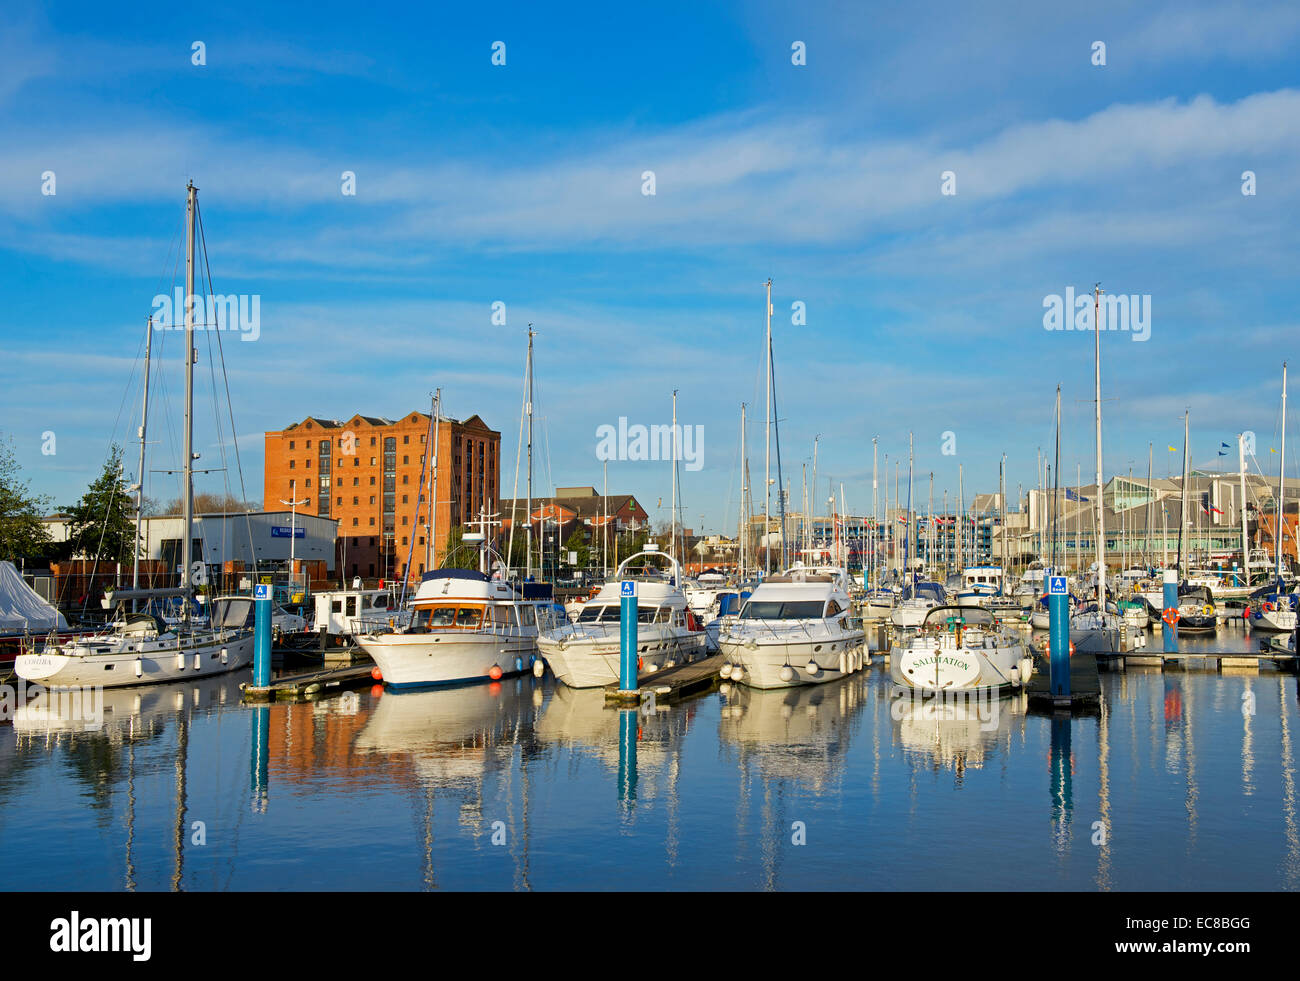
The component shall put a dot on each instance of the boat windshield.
(778, 610)
(613, 613)
(967, 616)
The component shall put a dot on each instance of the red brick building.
(366, 472)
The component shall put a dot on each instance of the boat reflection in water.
(956, 730)
(797, 734)
(460, 743)
(100, 733)
(577, 719)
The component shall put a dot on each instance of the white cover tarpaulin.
(21, 609)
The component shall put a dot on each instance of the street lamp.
(293, 521)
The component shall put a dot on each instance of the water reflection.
(1184, 779)
(953, 732)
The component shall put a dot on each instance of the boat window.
(775, 610)
(442, 616)
(468, 616)
(833, 608)
(663, 615)
(645, 614)
(336, 606)
(352, 606)
(527, 615)
(590, 614)
(501, 614)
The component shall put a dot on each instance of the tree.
(22, 534)
(205, 503)
(102, 524)
(458, 554)
(578, 543)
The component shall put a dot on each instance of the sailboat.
(140, 648)
(1097, 628)
(1272, 608)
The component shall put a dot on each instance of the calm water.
(1177, 784)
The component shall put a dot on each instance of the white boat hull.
(123, 668)
(593, 662)
(777, 664)
(423, 660)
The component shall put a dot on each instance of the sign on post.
(628, 587)
(261, 591)
(1056, 586)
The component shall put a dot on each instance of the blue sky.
(522, 184)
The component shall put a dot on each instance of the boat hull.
(776, 664)
(429, 660)
(594, 662)
(118, 670)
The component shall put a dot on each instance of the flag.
(1173, 449)
(1072, 496)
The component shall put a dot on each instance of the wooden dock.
(675, 683)
(311, 684)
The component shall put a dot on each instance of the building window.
(355, 521)
(372, 524)
(406, 439)
(372, 443)
(356, 500)
(293, 464)
(404, 501)
(355, 481)
(309, 444)
(290, 444)
(308, 481)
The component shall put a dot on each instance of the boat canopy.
(967, 616)
(472, 575)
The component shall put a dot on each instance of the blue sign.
(629, 587)
(277, 532)
(1056, 586)
(261, 591)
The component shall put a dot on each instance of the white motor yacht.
(587, 653)
(795, 629)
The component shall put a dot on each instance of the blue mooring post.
(261, 635)
(1058, 611)
(627, 637)
(1171, 611)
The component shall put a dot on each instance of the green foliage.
(578, 543)
(459, 555)
(102, 524)
(22, 535)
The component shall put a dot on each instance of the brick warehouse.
(365, 473)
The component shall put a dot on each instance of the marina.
(826, 458)
(476, 788)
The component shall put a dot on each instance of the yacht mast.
(767, 454)
(875, 514)
(139, 490)
(1101, 514)
(187, 534)
(1245, 549)
(1182, 516)
(1281, 490)
(430, 549)
(744, 493)
(1146, 548)
(672, 548)
(528, 410)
